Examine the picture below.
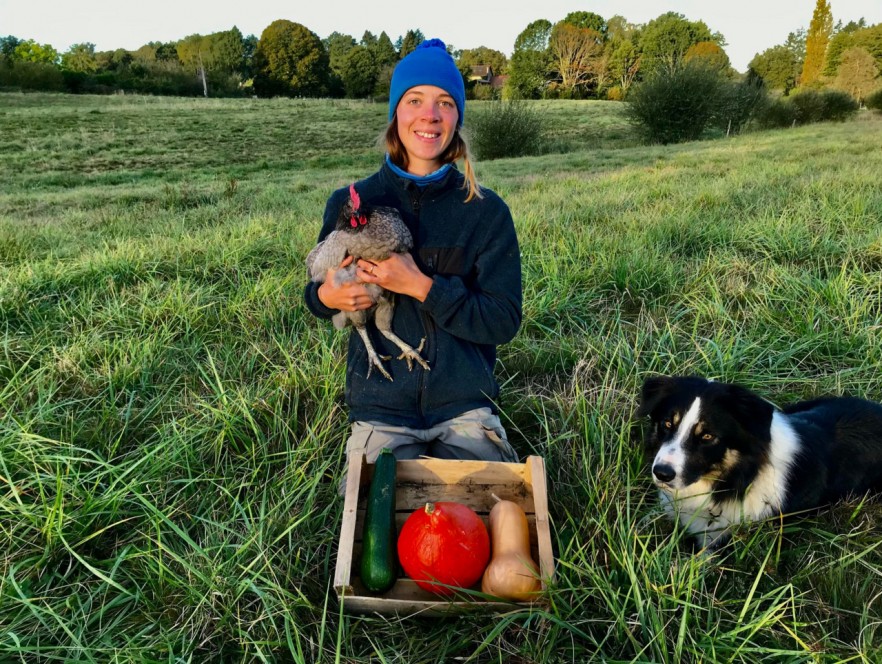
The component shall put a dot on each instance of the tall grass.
(171, 418)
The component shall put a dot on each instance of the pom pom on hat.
(428, 64)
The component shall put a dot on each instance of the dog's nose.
(663, 472)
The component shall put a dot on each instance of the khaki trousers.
(476, 434)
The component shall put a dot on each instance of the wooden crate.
(428, 480)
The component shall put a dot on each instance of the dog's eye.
(707, 437)
(667, 424)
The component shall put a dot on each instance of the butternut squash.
(512, 573)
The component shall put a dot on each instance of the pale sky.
(749, 26)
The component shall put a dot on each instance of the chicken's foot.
(407, 351)
(373, 358)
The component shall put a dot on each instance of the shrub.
(25, 75)
(505, 129)
(483, 92)
(823, 105)
(838, 105)
(777, 114)
(615, 93)
(675, 105)
(874, 101)
(739, 103)
(808, 106)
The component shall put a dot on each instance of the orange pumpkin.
(444, 542)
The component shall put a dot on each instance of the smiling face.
(426, 118)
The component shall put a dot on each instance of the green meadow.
(172, 421)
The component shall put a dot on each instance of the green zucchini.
(379, 554)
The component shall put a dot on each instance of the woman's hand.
(398, 273)
(350, 296)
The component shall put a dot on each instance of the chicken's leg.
(373, 358)
(383, 320)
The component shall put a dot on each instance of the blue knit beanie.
(428, 64)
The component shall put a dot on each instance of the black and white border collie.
(727, 455)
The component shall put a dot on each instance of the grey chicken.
(372, 233)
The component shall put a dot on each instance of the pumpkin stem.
(430, 507)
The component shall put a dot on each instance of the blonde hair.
(458, 149)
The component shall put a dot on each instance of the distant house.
(481, 74)
(498, 82)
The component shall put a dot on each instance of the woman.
(460, 290)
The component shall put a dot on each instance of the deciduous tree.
(290, 60)
(157, 52)
(338, 46)
(870, 39)
(227, 49)
(359, 72)
(8, 45)
(857, 73)
(117, 60)
(193, 52)
(843, 38)
(575, 56)
(31, 51)
(530, 62)
(625, 64)
(778, 67)
(710, 54)
(534, 37)
(219, 51)
(80, 58)
(618, 29)
(816, 42)
(588, 20)
(665, 40)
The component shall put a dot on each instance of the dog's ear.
(653, 391)
(751, 412)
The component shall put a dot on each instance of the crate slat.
(535, 477)
(347, 525)
(401, 517)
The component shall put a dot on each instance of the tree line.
(581, 56)
(844, 57)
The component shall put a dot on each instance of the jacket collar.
(449, 180)
(420, 180)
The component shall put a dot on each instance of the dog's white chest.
(709, 520)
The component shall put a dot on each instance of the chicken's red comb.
(356, 199)
(356, 206)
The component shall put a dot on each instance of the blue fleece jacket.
(471, 252)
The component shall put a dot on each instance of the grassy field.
(171, 417)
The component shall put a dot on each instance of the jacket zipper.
(415, 204)
(415, 196)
